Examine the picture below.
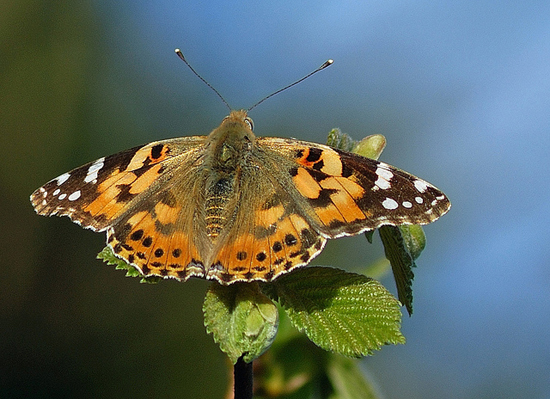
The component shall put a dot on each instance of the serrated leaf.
(107, 256)
(396, 247)
(343, 312)
(347, 380)
(242, 320)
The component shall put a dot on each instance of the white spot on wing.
(74, 196)
(419, 200)
(93, 169)
(440, 197)
(91, 177)
(63, 178)
(421, 185)
(383, 171)
(57, 191)
(384, 177)
(62, 196)
(389, 203)
(407, 204)
(382, 183)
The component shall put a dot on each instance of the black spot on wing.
(156, 151)
(314, 154)
(124, 194)
(137, 235)
(318, 165)
(323, 199)
(317, 175)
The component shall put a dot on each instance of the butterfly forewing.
(344, 193)
(71, 193)
(98, 193)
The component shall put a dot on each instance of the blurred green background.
(461, 91)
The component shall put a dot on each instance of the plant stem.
(242, 375)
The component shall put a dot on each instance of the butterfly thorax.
(229, 147)
(230, 144)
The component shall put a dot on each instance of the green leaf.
(342, 141)
(402, 245)
(371, 146)
(343, 312)
(242, 320)
(348, 382)
(107, 256)
(368, 235)
(414, 239)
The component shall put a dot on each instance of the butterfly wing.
(345, 194)
(288, 198)
(267, 236)
(143, 197)
(295, 195)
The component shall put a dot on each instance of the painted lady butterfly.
(232, 206)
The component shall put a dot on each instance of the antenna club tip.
(326, 64)
(180, 54)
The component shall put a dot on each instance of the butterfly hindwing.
(268, 237)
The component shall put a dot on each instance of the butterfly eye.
(249, 123)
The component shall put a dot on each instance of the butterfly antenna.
(182, 57)
(326, 64)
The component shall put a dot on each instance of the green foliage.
(347, 380)
(294, 368)
(107, 256)
(241, 318)
(370, 147)
(342, 312)
(402, 245)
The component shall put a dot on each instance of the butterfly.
(231, 206)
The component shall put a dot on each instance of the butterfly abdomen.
(217, 200)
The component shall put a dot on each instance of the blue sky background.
(461, 90)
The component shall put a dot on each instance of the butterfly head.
(232, 140)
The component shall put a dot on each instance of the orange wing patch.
(155, 248)
(280, 242)
(342, 200)
(333, 198)
(106, 203)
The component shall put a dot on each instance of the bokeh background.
(461, 90)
